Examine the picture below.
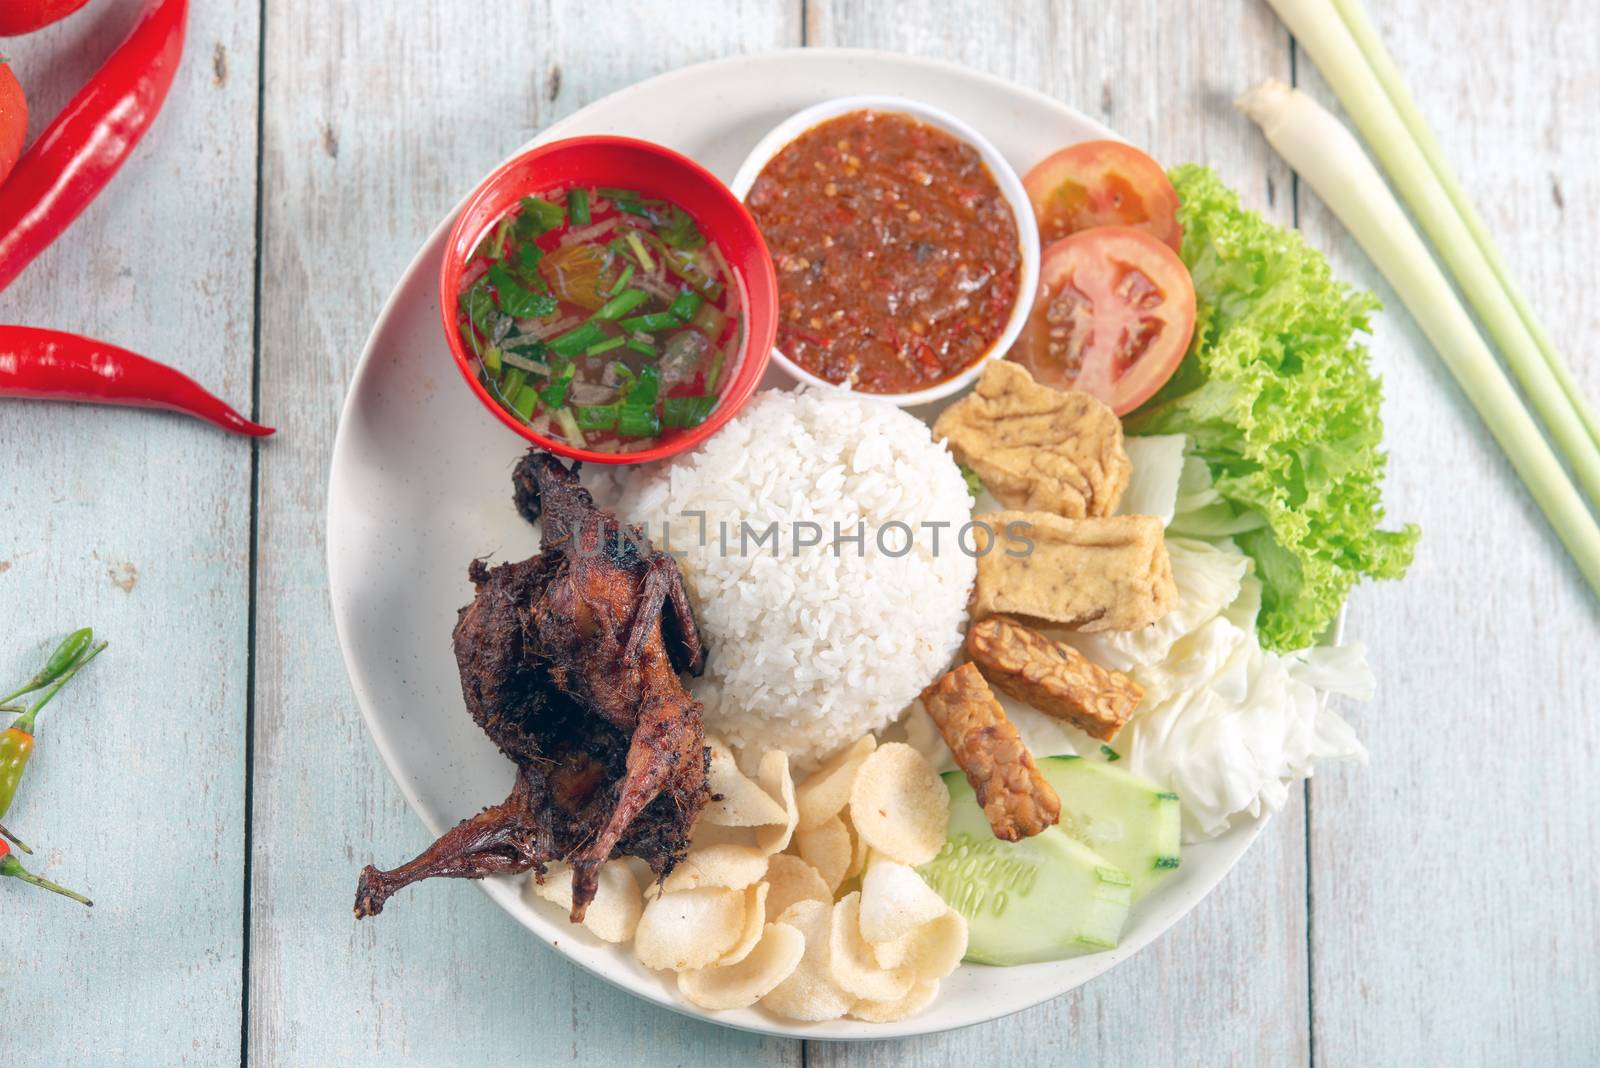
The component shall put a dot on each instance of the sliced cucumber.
(1130, 821)
(1042, 898)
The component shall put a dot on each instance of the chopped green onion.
(637, 422)
(621, 304)
(714, 375)
(641, 253)
(1110, 754)
(578, 207)
(596, 416)
(642, 347)
(511, 383)
(685, 304)
(651, 321)
(538, 216)
(569, 426)
(680, 231)
(527, 399)
(637, 416)
(622, 280)
(516, 300)
(555, 394)
(491, 360)
(479, 307)
(528, 257)
(684, 412)
(643, 392)
(577, 339)
(625, 373)
(497, 244)
(686, 265)
(608, 345)
(530, 347)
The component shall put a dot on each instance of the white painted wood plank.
(1455, 919)
(136, 522)
(378, 120)
(1228, 985)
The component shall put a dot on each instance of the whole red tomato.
(13, 120)
(25, 16)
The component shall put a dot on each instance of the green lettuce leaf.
(1277, 398)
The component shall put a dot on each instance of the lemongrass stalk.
(1383, 66)
(1319, 30)
(1327, 156)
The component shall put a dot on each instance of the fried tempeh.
(1108, 573)
(1053, 677)
(1014, 796)
(1038, 448)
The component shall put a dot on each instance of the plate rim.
(496, 890)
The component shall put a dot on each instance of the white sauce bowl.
(1005, 178)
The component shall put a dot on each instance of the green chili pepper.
(66, 654)
(16, 742)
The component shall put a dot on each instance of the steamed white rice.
(810, 649)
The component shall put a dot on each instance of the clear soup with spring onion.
(601, 317)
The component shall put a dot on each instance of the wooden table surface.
(210, 782)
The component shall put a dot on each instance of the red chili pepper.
(87, 143)
(11, 866)
(51, 365)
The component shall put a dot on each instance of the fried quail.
(570, 663)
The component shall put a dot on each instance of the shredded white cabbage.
(1153, 486)
(1225, 724)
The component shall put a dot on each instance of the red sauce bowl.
(655, 172)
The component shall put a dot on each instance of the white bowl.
(1004, 177)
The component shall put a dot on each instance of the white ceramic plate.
(420, 485)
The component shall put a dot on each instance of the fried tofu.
(1106, 573)
(1037, 448)
(1015, 798)
(1053, 677)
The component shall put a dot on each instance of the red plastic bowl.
(656, 172)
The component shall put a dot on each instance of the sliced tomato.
(13, 120)
(1103, 183)
(1113, 316)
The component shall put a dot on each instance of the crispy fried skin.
(1015, 798)
(569, 661)
(1106, 573)
(1037, 448)
(1053, 677)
